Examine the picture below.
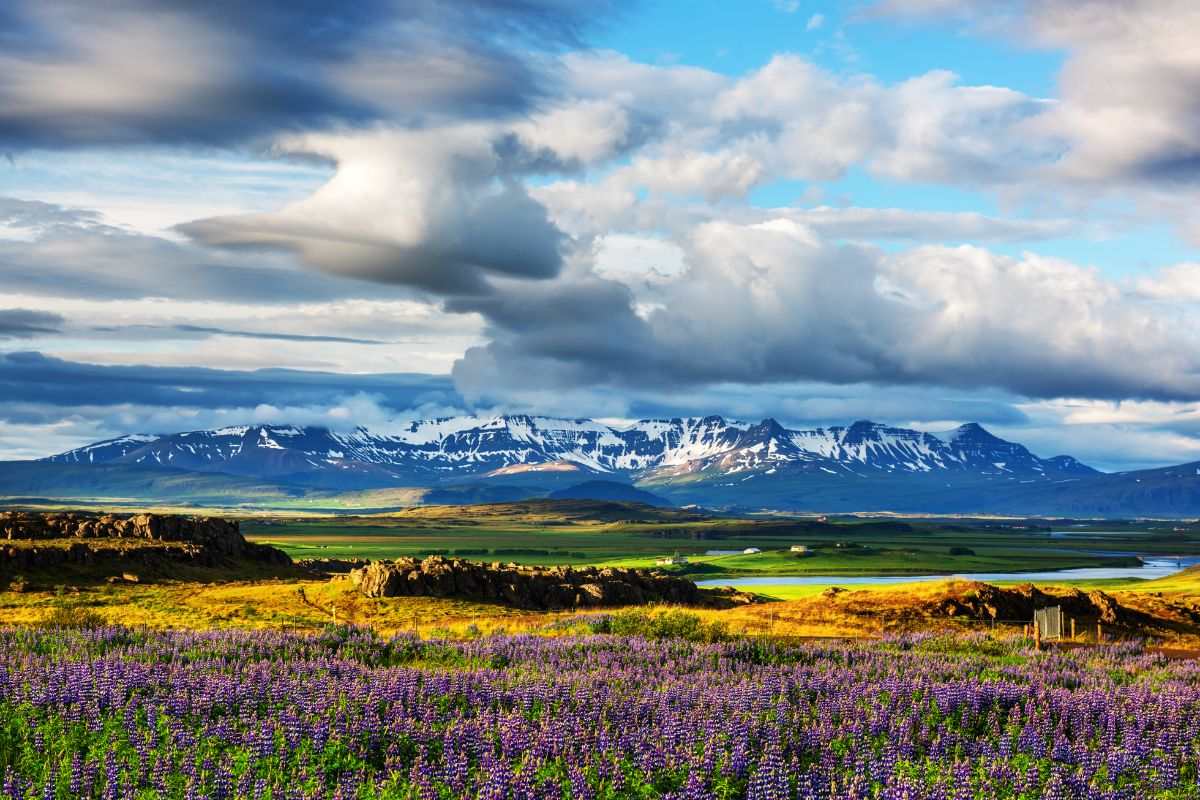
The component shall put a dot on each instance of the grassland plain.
(571, 532)
(566, 532)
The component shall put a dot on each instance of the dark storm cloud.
(32, 383)
(76, 73)
(23, 323)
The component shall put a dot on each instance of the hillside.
(554, 511)
(118, 480)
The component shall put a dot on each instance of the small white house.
(799, 548)
(751, 550)
(669, 560)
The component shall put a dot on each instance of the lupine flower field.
(119, 713)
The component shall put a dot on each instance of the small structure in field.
(671, 560)
(751, 550)
(799, 548)
(1049, 622)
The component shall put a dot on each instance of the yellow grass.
(264, 604)
(867, 610)
(1186, 582)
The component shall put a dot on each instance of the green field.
(540, 532)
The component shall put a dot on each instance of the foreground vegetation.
(867, 610)
(342, 713)
(252, 595)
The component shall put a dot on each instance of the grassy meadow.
(537, 533)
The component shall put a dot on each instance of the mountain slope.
(76, 481)
(435, 450)
(709, 461)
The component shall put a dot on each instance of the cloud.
(199, 72)
(204, 330)
(443, 208)
(65, 252)
(35, 385)
(1129, 90)
(418, 208)
(772, 302)
(23, 323)
(695, 134)
(932, 226)
(1176, 282)
(36, 217)
(340, 335)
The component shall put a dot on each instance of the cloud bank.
(224, 72)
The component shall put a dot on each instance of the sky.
(919, 212)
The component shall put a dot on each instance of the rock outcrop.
(30, 541)
(983, 601)
(528, 587)
(326, 567)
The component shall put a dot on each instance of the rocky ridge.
(531, 587)
(35, 540)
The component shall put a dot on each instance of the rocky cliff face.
(31, 540)
(534, 588)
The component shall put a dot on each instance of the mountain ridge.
(430, 449)
(708, 461)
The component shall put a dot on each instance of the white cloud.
(771, 301)
(432, 209)
(1176, 282)
(586, 131)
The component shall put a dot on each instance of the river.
(1152, 567)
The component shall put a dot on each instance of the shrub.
(68, 612)
(672, 624)
(961, 551)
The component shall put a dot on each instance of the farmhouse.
(751, 550)
(672, 560)
(799, 548)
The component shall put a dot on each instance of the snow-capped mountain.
(429, 452)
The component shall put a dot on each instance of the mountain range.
(709, 461)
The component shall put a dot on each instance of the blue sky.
(737, 37)
(916, 211)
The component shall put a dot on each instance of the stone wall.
(534, 588)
